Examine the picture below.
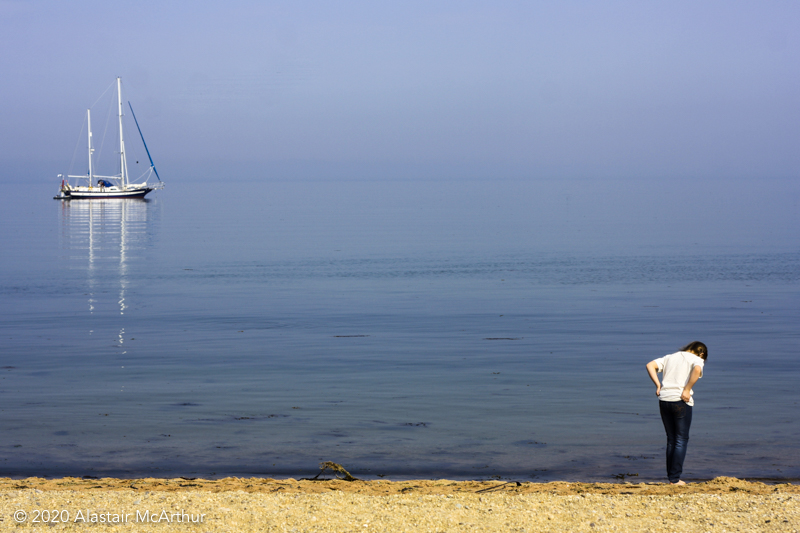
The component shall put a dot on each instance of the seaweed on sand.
(337, 469)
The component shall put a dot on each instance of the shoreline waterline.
(423, 486)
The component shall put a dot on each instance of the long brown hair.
(697, 348)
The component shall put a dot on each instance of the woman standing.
(680, 370)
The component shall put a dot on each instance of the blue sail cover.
(104, 183)
(152, 165)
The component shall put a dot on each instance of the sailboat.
(93, 185)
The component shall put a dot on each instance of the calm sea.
(436, 329)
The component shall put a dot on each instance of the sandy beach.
(289, 505)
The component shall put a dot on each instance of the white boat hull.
(85, 193)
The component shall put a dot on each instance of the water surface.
(404, 329)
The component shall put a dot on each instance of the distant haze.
(374, 90)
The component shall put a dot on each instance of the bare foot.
(680, 482)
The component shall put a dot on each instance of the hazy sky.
(450, 89)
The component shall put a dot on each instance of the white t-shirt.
(677, 368)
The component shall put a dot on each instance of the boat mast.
(123, 166)
(89, 122)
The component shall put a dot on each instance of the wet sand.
(254, 504)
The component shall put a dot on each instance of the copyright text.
(50, 516)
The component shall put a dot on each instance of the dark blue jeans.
(677, 417)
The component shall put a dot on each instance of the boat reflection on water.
(107, 239)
